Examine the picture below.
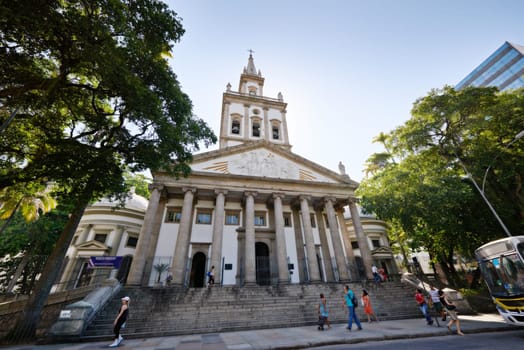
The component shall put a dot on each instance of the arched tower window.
(275, 131)
(235, 126)
(256, 128)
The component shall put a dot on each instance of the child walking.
(323, 313)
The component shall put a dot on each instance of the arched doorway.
(262, 264)
(198, 271)
(361, 270)
(123, 271)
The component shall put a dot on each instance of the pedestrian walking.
(211, 277)
(323, 315)
(351, 302)
(368, 310)
(452, 312)
(423, 306)
(435, 297)
(376, 275)
(120, 319)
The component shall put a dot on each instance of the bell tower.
(248, 115)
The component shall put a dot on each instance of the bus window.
(520, 248)
(513, 271)
(492, 278)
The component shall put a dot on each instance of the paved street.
(297, 337)
(478, 341)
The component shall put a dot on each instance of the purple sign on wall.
(105, 261)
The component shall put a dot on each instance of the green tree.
(419, 184)
(95, 97)
(31, 199)
(140, 182)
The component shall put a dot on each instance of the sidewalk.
(296, 337)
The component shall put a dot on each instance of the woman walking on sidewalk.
(452, 312)
(368, 310)
(119, 321)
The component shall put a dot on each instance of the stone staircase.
(174, 311)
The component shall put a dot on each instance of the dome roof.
(133, 201)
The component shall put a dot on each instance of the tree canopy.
(85, 94)
(419, 184)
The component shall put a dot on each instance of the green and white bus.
(502, 265)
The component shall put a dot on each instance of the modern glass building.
(503, 69)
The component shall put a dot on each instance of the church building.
(254, 210)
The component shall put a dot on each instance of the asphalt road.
(511, 340)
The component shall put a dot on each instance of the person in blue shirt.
(349, 298)
(323, 313)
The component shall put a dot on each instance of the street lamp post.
(468, 174)
(517, 137)
(481, 190)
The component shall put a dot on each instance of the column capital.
(304, 197)
(158, 187)
(220, 191)
(278, 195)
(353, 200)
(189, 189)
(250, 193)
(331, 199)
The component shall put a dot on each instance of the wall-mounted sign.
(105, 261)
(65, 314)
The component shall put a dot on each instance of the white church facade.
(253, 209)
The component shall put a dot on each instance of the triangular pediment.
(92, 245)
(382, 251)
(264, 159)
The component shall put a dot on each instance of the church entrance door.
(198, 271)
(123, 271)
(262, 264)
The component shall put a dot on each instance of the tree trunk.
(26, 325)
(8, 221)
(18, 272)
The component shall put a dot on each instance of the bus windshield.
(504, 275)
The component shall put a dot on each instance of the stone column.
(178, 268)
(249, 253)
(139, 260)
(285, 136)
(247, 131)
(322, 232)
(117, 239)
(335, 239)
(350, 255)
(365, 252)
(283, 272)
(82, 238)
(218, 230)
(267, 132)
(226, 125)
(312, 262)
(155, 232)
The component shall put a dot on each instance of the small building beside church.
(253, 209)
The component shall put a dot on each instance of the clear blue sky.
(347, 69)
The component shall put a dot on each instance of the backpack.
(354, 301)
(209, 274)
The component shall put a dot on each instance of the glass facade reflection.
(503, 69)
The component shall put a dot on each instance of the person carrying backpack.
(351, 302)
(211, 277)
